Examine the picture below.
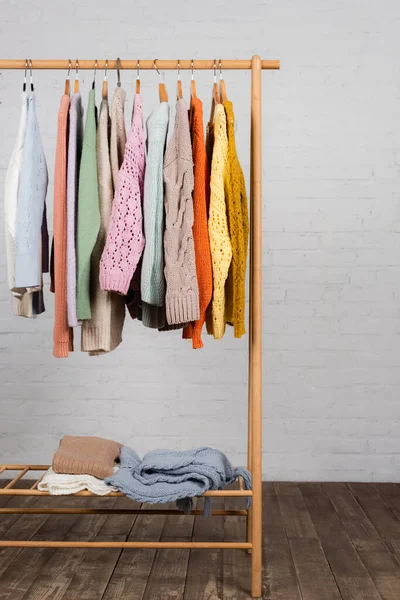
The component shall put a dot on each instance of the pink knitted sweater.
(125, 239)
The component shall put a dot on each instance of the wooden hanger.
(179, 92)
(138, 77)
(215, 99)
(222, 87)
(66, 87)
(76, 82)
(162, 90)
(104, 89)
(193, 93)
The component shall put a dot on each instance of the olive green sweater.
(88, 212)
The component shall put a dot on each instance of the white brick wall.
(331, 244)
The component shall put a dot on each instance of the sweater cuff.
(60, 349)
(114, 281)
(98, 339)
(182, 309)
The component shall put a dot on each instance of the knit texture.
(86, 455)
(88, 211)
(103, 331)
(152, 276)
(74, 163)
(60, 484)
(182, 296)
(200, 224)
(166, 475)
(238, 222)
(220, 244)
(118, 132)
(125, 239)
(32, 189)
(62, 335)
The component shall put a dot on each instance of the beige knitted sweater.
(182, 296)
(103, 332)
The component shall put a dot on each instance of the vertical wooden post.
(255, 328)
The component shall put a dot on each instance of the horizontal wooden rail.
(154, 545)
(164, 65)
(115, 511)
(34, 492)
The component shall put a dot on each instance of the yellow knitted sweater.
(238, 223)
(220, 243)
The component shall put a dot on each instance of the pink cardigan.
(125, 239)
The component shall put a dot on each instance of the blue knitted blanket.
(167, 476)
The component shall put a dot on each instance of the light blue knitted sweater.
(165, 476)
(152, 278)
(31, 197)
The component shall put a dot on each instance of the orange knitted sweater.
(62, 336)
(238, 223)
(200, 223)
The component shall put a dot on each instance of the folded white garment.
(60, 484)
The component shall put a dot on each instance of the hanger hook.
(157, 69)
(138, 70)
(215, 71)
(69, 68)
(31, 73)
(76, 69)
(105, 70)
(94, 71)
(192, 65)
(118, 72)
(179, 69)
(220, 69)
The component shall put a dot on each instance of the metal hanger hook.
(105, 70)
(138, 70)
(192, 65)
(76, 69)
(69, 68)
(215, 71)
(157, 69)
(179, 69)
(94, 70)
(220, 69)
(118, 72)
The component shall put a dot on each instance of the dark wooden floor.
(321, 542)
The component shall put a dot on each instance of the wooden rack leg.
(255, 330)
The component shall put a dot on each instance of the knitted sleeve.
(62, 335)
(125, 239)
(220, 243)
(238, 222)
(118, 132)
(182, 296)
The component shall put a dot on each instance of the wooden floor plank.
(273, 529)
(351, 576)
(279, 573)
(129, 579)
(168, 573)
(313, 571)
(378, 510)
(205, 568)
(382, 566)
(295, 517)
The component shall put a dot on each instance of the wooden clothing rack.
(253, 543)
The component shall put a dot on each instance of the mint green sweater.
(88, 212)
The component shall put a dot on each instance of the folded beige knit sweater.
(90, 455)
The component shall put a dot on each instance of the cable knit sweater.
(118, 132)
(125, 239)
(220, 243)
(74, 162)
(152, 277)
(32, 191)
(103, 331)
(238, 222)
(88, 211)
(62, 335)
(200, 225)
(182, 297)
